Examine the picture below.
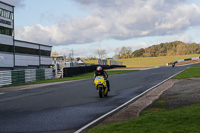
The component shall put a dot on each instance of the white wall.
(25, 60)
(6, 60)
(9, 8)
(4, 39)
(46, 60)
(26, 44)
(45, 48)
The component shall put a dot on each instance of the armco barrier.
(24, 76)
(195, 58)
(72, 71)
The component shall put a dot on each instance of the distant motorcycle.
(101, 86)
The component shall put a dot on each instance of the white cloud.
(117, 19)
(51, 17)
(180, 37)
(139, 45)
(80, 52)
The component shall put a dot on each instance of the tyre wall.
(24, 76)
(72, 71)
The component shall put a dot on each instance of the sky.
(85, 26)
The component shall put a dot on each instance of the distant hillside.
(168, 49)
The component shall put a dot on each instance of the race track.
(70, 106)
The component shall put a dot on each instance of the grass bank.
(182, 120)
(147, 61)
(160, 120)
(78, 77)
(191, 72)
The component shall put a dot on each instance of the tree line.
(163, 49)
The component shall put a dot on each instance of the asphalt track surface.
(70, 106)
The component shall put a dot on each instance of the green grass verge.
(158, 120)
(78, 77)
(191, 72)
(181, 120)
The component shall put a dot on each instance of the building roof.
(34, 43)
(6, 3)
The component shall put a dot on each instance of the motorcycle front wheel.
(100, 92)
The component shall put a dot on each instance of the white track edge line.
(103, 116)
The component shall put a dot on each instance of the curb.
(182, 60)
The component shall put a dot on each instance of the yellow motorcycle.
(101, 86)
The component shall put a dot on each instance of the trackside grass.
(191, 72)
(181, 120)
(160, 120)
(83, 76)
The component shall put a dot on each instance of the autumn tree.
(54, 53)
(168, 49)
(125, 52)
(138, 53)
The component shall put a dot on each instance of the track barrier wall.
(72, 71)
(5, 78)
(195, 58)
(24, 76)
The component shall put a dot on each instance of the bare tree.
(90, 57)
(70, 56)
(101, 53)
(117, 53)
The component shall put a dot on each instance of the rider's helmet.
(99, 69)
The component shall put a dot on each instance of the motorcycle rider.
(100, 72)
